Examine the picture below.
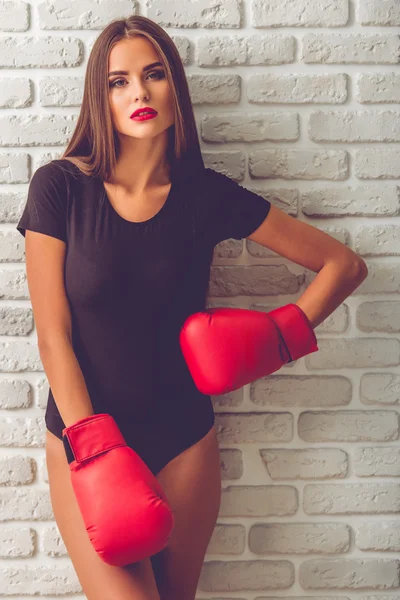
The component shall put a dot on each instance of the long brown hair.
(94, 146)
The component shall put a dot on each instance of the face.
(138, 87)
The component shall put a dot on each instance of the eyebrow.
(155, 64)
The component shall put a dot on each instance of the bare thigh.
(192, 484)
(99, 580)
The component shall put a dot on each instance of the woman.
(121, 236)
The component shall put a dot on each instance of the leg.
(99, 580)
(192, 484)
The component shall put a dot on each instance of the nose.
(139, 91)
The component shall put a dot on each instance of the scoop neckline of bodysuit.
(136, 223)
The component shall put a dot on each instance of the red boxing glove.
(123, 506)
(226, 348)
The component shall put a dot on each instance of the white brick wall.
(308, 92)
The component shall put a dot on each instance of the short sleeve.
(45, 209)
(235, 212)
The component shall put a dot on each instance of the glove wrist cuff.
(90, 437)
(296, 329)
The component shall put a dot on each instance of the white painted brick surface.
(14, 15)
(81, 14)
(298, 100)
(352, 573)
(299, 164)
(370, 201)
(282, 126)
(349, 126)
(222, 51)
(374, 88)
(15, 92)
(297, 13)
(326, 89)
(40, 52)
(327, 538)
(377, 163)
(351, 48)
(378, 12)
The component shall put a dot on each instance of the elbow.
(360, 269)
(355, 270)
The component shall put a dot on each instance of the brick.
(344, 425)
(15, 394)
(22, 432)
(231, 50)
(353, 573)
(299, 164)
(351, 498)
(349, 126)
(16, 321)
(228, 249)
(348, 48)
(16, 470)
(227, 539)
(17, 542)
(238, 428)
(36, 130)
(305, 463)
(46, 52)
(267, 88)
(26, 504)
(13, 284)
(15, 92)
(378, 87)
(258, 501)
(61, 91)
(80, 14)
(380, 536)
(361, 201)
(214, 89)
(378, 12)
(229, 399)
(378, 240)
(250, 128)
(380, 388)
(377, 163)
(298, 13)
(185, 13)
(53, 544)
(40, 579)
(251, 575)
(299, 538)
(377, 462)
(381, 278)
(352, 353)
(14, 168)
(381, 315)
(231, 463)
(229, 162)
(301, 390)
(15, 16)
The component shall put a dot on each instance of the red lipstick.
(142, 114)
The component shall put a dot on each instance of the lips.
(146, 109)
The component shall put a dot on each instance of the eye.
(158, 75)
(114, 83)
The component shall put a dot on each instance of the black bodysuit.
(130, 286)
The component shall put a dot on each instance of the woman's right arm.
(45, 256)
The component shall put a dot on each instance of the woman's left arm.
(340, 270)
